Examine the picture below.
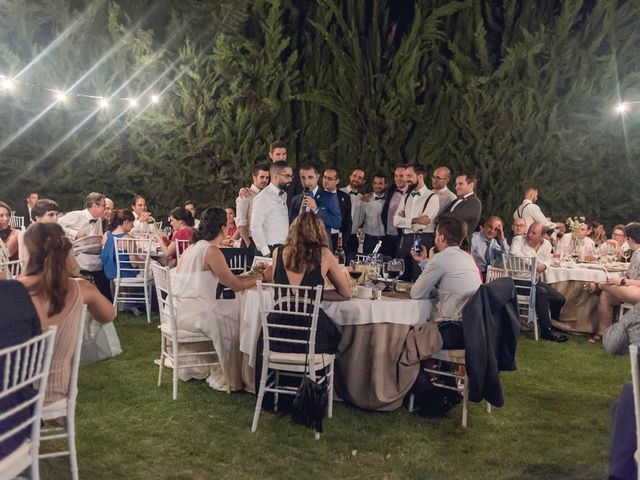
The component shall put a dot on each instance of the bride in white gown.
(195, 282)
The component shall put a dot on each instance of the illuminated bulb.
(60, 96)
(103, 103)
(155, 98)
(621, 107)
(6, 83)
(133, 102)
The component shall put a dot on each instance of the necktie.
(413, 194)
(93, 220)
(487, 253)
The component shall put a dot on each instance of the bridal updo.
(211, 222)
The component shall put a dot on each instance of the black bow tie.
(281, 192)
(353, 193)
(93, 220)
(413, 194)
(461, 197)
(378, 198)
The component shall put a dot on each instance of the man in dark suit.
(467, 206)
(23, 209)
(315, 199)
(330, 182)
(394, 196)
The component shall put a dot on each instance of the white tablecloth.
(353, 312)
(577, 274)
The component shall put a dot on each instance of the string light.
(622, 107)
(7, 83)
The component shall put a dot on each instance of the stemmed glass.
(395, 269)
(355, 273)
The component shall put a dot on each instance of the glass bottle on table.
(339, 253)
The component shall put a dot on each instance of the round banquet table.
(579, 314)
(369, 373)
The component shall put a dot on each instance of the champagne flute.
(626, 254)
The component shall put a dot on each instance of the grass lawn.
(555, 424)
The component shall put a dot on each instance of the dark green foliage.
(520, 91)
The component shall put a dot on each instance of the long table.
(374, 366)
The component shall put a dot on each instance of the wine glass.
(395, 269)
(355, 273)
(626, 254)
(378, 287)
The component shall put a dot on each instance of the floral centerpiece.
(573, 224)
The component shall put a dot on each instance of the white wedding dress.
(198, 311)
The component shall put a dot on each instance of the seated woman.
(8, 235)
(615, 290)
(121, 225)
(194, 286)
(181, 222)
(586, 246)
(58, 298)
(616, 241)
(231, 233)
(598, 233)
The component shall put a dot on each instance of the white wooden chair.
(171, 337)
(23, 366)
(494, 273)
(66, 407)
(132, 258)
(522, 271)
(238, 265)
(297, 302)
(451, 364)
(635, 379)
(181, 246)
(11, 269)
(16, 222)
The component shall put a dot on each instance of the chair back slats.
(521, 268)
(132, 257)
(238, 263)
(16, 222)
(166, 307)
(11, 269)
(181, 246)
(24, 366)
(290, 302)
(493, 273)
(157, 226)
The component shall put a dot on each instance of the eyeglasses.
(285, 175)
(435, 177)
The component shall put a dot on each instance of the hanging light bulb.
(60, 96)
(622, 107)
(155, 98)
(133, 102)
(103, 103)
(6, 83)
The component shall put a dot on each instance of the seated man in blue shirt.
(489, 244)
(450, 277)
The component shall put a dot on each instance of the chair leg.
(147, 301)
(332, 374)
(35, 467)
(115, 295)
(412, 399)
(176, 366)
(162, 357)
(488, 407)
(465, 403)
(261, 389)
(276, 395)
(536, 330)
(71, 440)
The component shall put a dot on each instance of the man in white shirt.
(356, 181)
(144, 222)
(518, 227)
(548, 299)
(530, 212)
(260, 179)
(439, 180)
(415, 217)
(489, 244)
(81, 223)
(269, 214)
(450, 278)
(372, 214)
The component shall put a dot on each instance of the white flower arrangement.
(574, 223)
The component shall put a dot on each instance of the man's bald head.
(440, 177)
(534, 235)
